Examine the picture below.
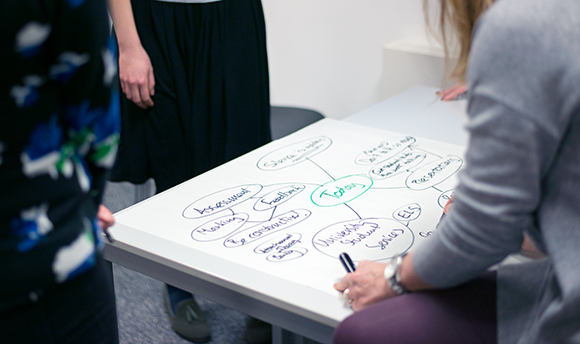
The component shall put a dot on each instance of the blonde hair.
(457, 17)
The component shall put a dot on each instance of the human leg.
(464, 314)
(246, 86)
(257, 331)
(246, 99)
(211, 95)
(185, 315)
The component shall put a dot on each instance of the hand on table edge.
(453, 92)
(105, 217)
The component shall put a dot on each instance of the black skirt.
(211, 90)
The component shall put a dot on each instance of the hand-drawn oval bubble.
(444, 197)
(407, 212)
(341, 190)
(264, 229)
(280, 243)
(384, 150)
(402, 162)
(220, 201)
(365, 239)
(434, 173)
(287, 255)
(220, 227)
(277, 197)
(293, 154)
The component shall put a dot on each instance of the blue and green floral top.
(59, 129)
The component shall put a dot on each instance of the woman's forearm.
(124, 24)
(135, 68)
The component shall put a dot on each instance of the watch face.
(390, 270)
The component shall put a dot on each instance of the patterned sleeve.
(62, 87)
(59, 129)
(85, 66)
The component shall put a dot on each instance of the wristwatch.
(393, 276)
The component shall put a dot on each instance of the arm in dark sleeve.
(85, 66)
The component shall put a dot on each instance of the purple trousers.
(464, 314)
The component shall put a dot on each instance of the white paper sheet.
(291, 207)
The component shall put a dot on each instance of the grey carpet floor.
(142, 317)
(140, 310)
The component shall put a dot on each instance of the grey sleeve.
(495, 201)
(509, 149)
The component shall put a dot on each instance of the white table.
(418, 111)
(294, 307)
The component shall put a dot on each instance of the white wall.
(327, 54)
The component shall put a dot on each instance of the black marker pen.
(347, 262)
(445, 210)
(440, 219)
(109, 237)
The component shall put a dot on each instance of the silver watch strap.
(395, 280)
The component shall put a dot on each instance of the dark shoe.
(258, 331)
(186, 318)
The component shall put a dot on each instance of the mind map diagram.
(274, 221)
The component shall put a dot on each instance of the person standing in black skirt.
(195, 78)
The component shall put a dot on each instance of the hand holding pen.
(446, 209)
(365, 286)
(350, 268)
(347, 262)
